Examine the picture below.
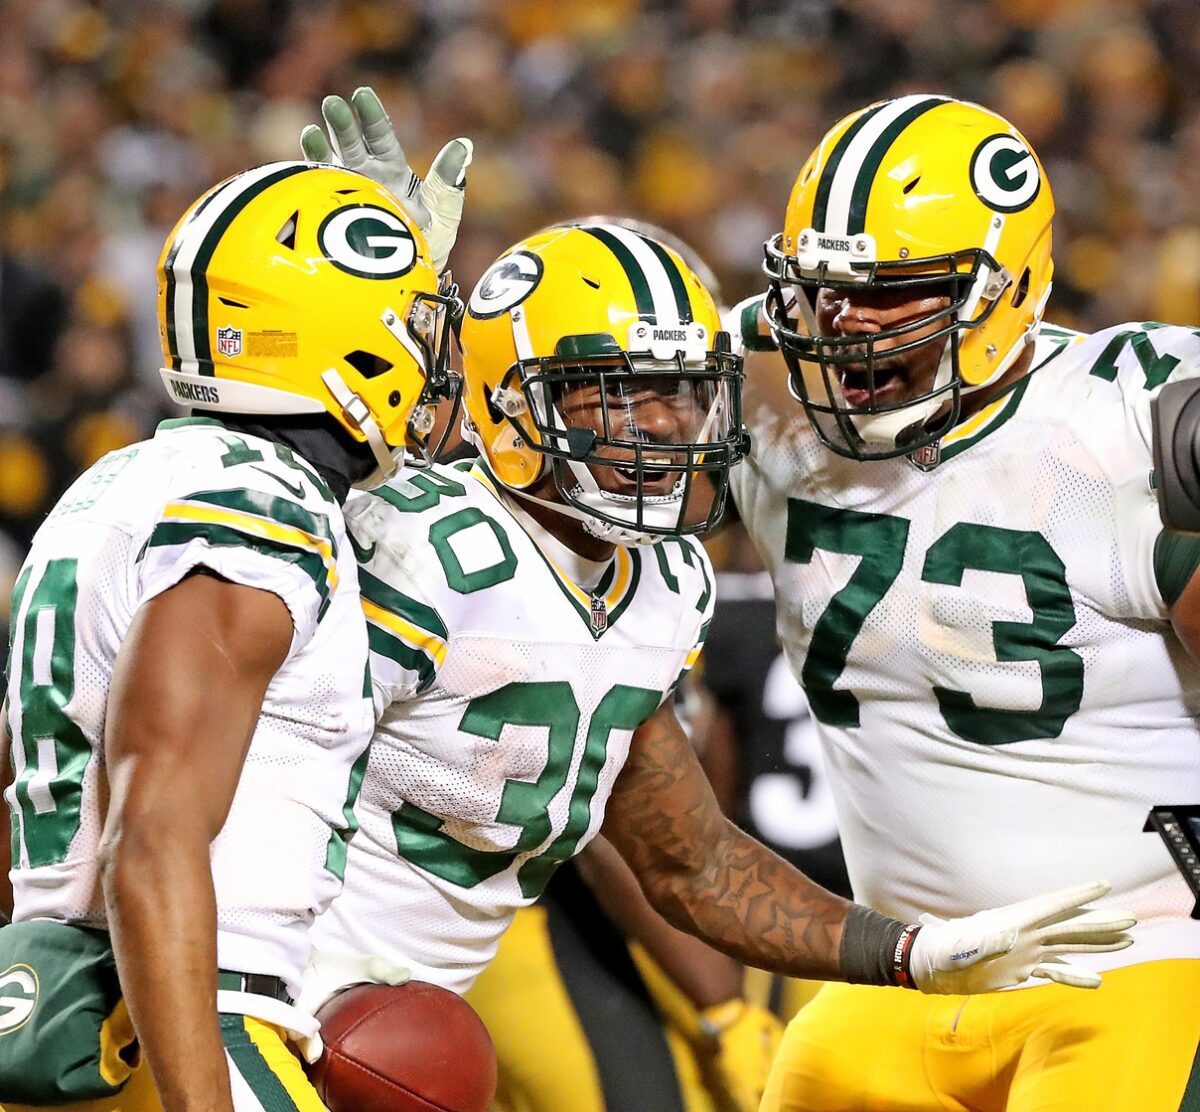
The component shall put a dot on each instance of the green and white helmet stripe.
(840, 207)
(187, 263)
(658, 287)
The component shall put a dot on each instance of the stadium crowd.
(691, 114)
(694, 114)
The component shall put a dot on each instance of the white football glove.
(327, 974)
(369, 145)
(1004, 946)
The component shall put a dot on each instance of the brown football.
(403, 1048)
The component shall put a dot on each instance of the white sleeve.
(407, 636)
(747, 326)
(250, 537)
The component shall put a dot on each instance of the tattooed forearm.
(707, 877)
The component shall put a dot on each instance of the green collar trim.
(492, 484)
(1015, 393)
(183, 422)
(1062, 339)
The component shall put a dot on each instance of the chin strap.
(886, 428)
(356, 413)
(601, 530)
(607, 531)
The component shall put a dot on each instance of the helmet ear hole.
(286, 236)
(1022, 290)
(493, 409)
(368, 365)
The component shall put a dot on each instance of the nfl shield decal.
(599, 616)
(229, 341)
(927, 457)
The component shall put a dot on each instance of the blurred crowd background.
(694, 114)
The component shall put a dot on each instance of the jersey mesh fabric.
(953, 811)
(451, 777)
(269, 861)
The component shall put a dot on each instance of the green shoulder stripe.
(1176, 559)
(339, 837)
(752, 339)
(703, 600)
(386, 644)
(269, 506)
(170, 533)
(388, 598)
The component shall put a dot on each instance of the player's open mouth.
(889, 382)
(654, 479)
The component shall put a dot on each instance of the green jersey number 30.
(421, 837)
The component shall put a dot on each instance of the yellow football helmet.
(922, 194)
(593, 353)
(300, 288)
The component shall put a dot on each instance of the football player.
(529, 616)
(974, 589)
(189, 708)
(592, 947)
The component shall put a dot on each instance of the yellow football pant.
(265, 1075)
(546, 1063)
(1129, 1046)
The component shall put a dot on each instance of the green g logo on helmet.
(368, 241)
(18, 995)
(1004, 173)
(505, 284)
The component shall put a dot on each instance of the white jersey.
(508, 697)
(985, 644)
(129, 528)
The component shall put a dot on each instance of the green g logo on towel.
(18, 995)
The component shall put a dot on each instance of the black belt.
(258, 984)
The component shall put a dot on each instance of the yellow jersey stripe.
(406, 631)
(258, 527)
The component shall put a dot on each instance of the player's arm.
(734, 1041)
(710, 879)
(187, 690)
(1185, 610)
(705, 976)
(707, 877)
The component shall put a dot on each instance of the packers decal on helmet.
(594, 355)
(505, 284)
(1004, 173)
(368, 241)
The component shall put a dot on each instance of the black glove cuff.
(875, 948)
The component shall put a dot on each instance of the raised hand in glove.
(735, 1049)
(328, 973)
(1006, 945)
(368, 144)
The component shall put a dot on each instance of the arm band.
(875, 948)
